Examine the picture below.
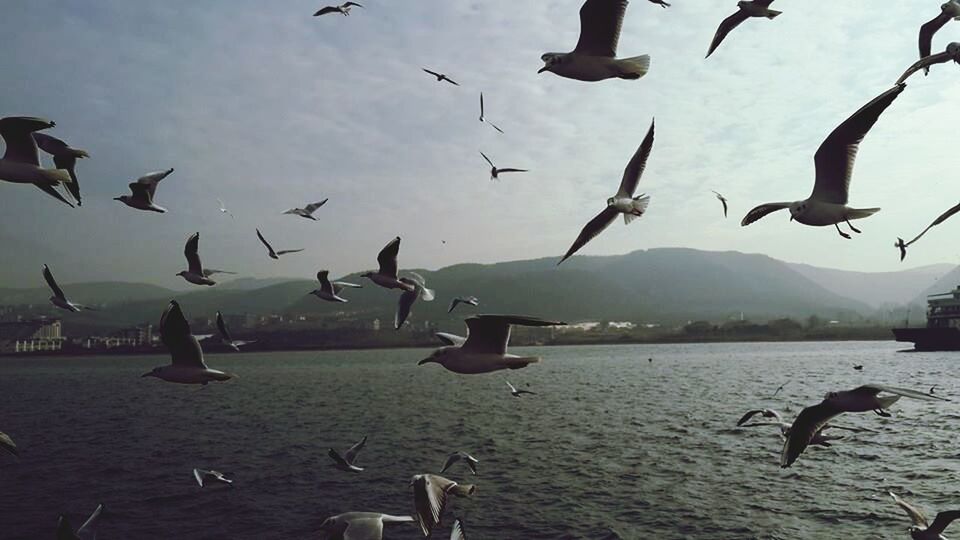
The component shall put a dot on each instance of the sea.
(619, 442)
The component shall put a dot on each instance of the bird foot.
(843, 234)
(883, 413)
(852, 228)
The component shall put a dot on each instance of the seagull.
(64, 157)
(951, 53)
(819, 438)
(342, 8)
(87, 531)
(307, 211)
(827, 205)
(623, 202)
(485, 349)
(661, 3)
(407, 298)
(518, 393)
(766, 413)
(469, 300)
(921, 529)
(754, 8)
(59, 299)
(457, 533)
(187, 365)
(441, 77)
(453, 458)
(360, 525)
(779, 388)
(7, 444)
(386, 275)
(943, 217)
(932, 388)
(495, 172)
(595, 56)
(275, 254)
(482, 119)
(144, 190)
(330, 291)
(21, 161)
(948, 11)
(723, 201)
(225, 335)
(430, 497)
(450, 339)
(223, 209)
(195, 273)
(860, 399)
(347, 460)
(204, 476)
(858, 367)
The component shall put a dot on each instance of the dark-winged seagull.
(21, 161)
(495, 171)
(204, 477)
(144, 189)
(87, 531)
(441, 77)
(723, 201)
(187, 366)
(225, 337)
(484, 120)
(661, 3)
(468, 300)
(949, 11)
(359, 525)
(470, 461)
(517, 393)
(347, 461)
(952, 52)
(430, 493)
(64, 157)
(343, 9)
(407, 298)
(748, 9)
(943, 217)
(8, 445)
(330, 291)
(386, 275)
(195, 273)
(921, 528)
(275, 254)
(59, 299)
(779, 388)
(307, 211)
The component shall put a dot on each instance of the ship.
(942, 332)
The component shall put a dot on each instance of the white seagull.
(59, 299)
(204, 476)
(485, 349)
(307, 211)
(484, 120)
(748, 9)
(623, 202)
(469, 300)
(517, 393)
(407, 298)
(952, 52)
(21, 161)
(223, 209)
(455, 457)
(331, 291)
(949, 11)
(87, 531)
(275, 254)
(225, 337)
(921, 528)
(144, 189)
(343, 9)
(827, 205)
(359, 525)
(441, 77)
(457, 532)
(495, 172)
(943, 217)
(7, 444)
(64, 157)
(386, 275)
(595, 56)
(347, 462)
(430, 493)
(187, 365)
(195, 273)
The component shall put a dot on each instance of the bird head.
(182, 273)
(953, 50)
(153, 373)
(797, 209)
(611, 201)
(550, 60)
(830, 395)
(436, 356)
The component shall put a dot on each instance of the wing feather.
(594, 227)
(634, 169)
(600, 24)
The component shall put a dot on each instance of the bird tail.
(772, 13)
(860, 213)
(634, 68)
(638, 208)
(463, 490)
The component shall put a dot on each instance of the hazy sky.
(268, 108)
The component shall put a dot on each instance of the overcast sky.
(268, 108)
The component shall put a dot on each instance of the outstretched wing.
(761, 211)
(450, 339)
(942, 521)
(222, 326)
(600, 23)
(190, 251)
(352, 452)
(490, 333)
(326, 10)
(265, 243)
(17, 133)
(387, 258)
(875, 389)
(288, 251)
(457, 533)
(808, 423)
(943, 217)
(311, 208)
(634, 170)
(725, 27)
(88, 531)
(435, 74)
(175, 334)
(594, 227)
(488, 160)
(48, 275)
(924, 64)
(916, 515)
(928, 30)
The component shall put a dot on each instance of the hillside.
(875, 289)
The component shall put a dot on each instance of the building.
(136, 335)
(37, 335)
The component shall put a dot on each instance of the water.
(612, 447)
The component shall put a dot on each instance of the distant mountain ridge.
(875, 289)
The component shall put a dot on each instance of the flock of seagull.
(484, 350)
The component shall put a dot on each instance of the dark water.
(612, 447)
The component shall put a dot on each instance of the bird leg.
(882, 413)
(843, 234)
(852, 228)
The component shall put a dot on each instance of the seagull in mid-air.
(407, 298)
(469, 300)
(661, 3)
(441, 77)
(330, 291)
(623, 202)
(595, 56)
(225, 337)
(360, 525)
(517, 393)
(921, 528)
(59, 299)
(275, 254)
(455, 457)
(495, 172)
(223, 209)
(64, 157)
(748, 9)
(343, 9)
(144, 189)
(779, 388)
(766, 413)
(485, 349)
(430, 493)
(952, 52)
(723, 201)
(943, 217)
(21, 161)
(949, 11)
(860, 399)
(204, 477)
(386, 275)
(307, 211)
(8, 445)
(827, 205)
(195, 272)
(347, 462)
(87, 531)
(484, 120)
(187, 366)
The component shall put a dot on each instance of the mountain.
(93, 294)
(875, 289)
(945, 284)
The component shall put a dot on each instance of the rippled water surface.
(613, 446)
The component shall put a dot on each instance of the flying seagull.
(457, 532)
(623, 202)
(450, 339)
(59, 299)
(766, 413)
(204, 477)
(187, 365)
(87, 531)
(144, 189)
(484, 120)
(779, 388)
(330, 291)
(360, 525)
(8, 445)
(430, 493)
(495, 172)
(455, 457)
(347, 461)
(308, 210)
(595, 56)
(223, 209)
(952, 52)
(195, 273)
(485, 349)
(469, 300)
(386, 275)
(517, 393)
(407, 298)
(225, 337)
(754, 8)
(860, 399)
(943, 217)
(275, 254)
(343, 9)
(723, 201)
(921, 528)
(64, 157)
(21, 161)
(661, 3)
(827, 205)
(441, 77)
(948, 11)
(858, 367)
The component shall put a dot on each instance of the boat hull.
(930, 339)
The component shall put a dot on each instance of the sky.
(268, 108)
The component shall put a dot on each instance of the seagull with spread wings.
(275, 254)
(225, 336)
(187, 365)
(59, 299)
(943, 217)
(468, 300)
(144, 189)
(921, 528)
(223, 209)
(330, 291)
(204, 477)
(64, 157)
(308, 210)
(483, 119)
(87, 531)
(347, 461)
(952, 52)
(386, 275)
(949, 11)
(495, 172)
(343, 9)
(195, 272)
(517, 393)
(21, 161)
(748, 9)
(360, 525)
(441, 77)
(430, 493)
(470, 461)
(407, 298)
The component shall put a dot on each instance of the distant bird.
(64, 157)
(275, 254)
(860, 399)
(430, 493)
(59, 299)
(407, 298)
(495, 172)
(87, 531)
(223, 209)
(485, 349)
(827, 205)
(204, 477)
(484, 120)
(144, 189)
(948, 11)
(748, 9)
(441, 77)
(595, 56)
(723, 201)
(943, 217)
(517, 393)
(21, 161)
(766, 413)
(951, 53)
(450, 339)
(360, 525)
(452, 459)
(858, 367)
(7, 444)
(225, 337)
(779, 388)
(347, 462)
(922, 529)
(343, 9)
(623, 202)
(187, 365)
(661, 3)
(195, 273)
(932, 388)
(469, 300)
(386, 275)
(330, 291)
(308, 210)
(457, 532)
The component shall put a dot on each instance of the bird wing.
(512, 388)
(594, 227)
(348, 4)
(435, 74)
(481, 106)
(190, 251)
(807, 424)
(761, 211)
(265, 243)
(457, 533)
(407, 298)
(943, 217)
(150, 180)
(511, 170)
(723, 201)
(141, 192)
(17, 134)
(363, 529)
(7, 444)
(451, 339)
(600, 23)
(725, 27)
(199, 474)
(58, 148)
(835, 157)
(325, 284)
(175, 334)
(326, 10)
(387, 258)
(494, 126)
(930, 28)
(491, 333)
(874, 389)
(311, 208)
(64, 529)
(924, 63)
(488, 160)
(88, 531)
(763, 3)
(288, 251)
(748, 415)
(916, 515)
(334, 455)
(48, 275)
(942, 521)
(222, 326)
(429, 498)
(352, 452)
(451, 459)
(451, 81)
(340, 285)
(453, 304)
(207, 272)
(634, 170)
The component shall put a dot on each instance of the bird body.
(195, 273)
(143, 191)
(949, 11)
(343, 9)
(517, 393)
(187, 366)
(952, 52)
(466, 458)
(59, 299)
(307, 211)
(902, 246)
(441, 77)
(330, 291)
(347, 461)
(469, 300)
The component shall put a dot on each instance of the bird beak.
(791, 217)
(148, 374)
(541, 70)
(116, 198)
